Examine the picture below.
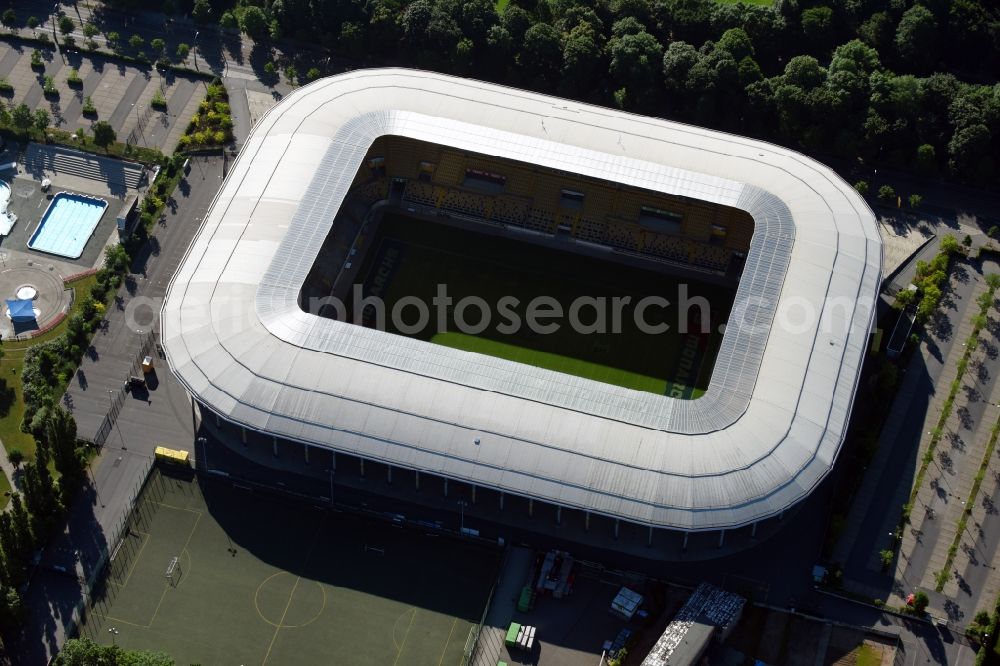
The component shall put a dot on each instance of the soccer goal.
(173, 571)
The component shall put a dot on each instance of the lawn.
(413, 258)
(501, 6)
(263, 580)
(11, 365)
(864, 655)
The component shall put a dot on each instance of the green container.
(512, 631)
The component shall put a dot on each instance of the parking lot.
(121, 93)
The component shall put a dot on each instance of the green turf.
(409, 258)
(501, 6)
(301, 587)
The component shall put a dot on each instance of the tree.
(16, 457)
(182, 51)
(920, 600)
(949, 244)
(635, 62)
(104, 134)
(22, 117)
(926, 157)
(228, 21)
(678, 60)
(254, 22)
(915, 200)
(114, 39)
(60, 437)
(887, 193)
(968, 146)
(32, 22)
(817, 25)
(581, 58)
(66, 24)
(736, 42)
(40, 494)
(202, 11)
(158, 45)
(9, 18)
(136, 42)
(291, 73)
(41, 120)
(876, 31)
(312, 74)
(885, 558)
(916, 35)
(85, 652)
(541, 54)
(862, 187)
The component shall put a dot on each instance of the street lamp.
(114, 632)
(194, 49)
(111, 402)
(461, 507)
(138, 124)
(94, 479)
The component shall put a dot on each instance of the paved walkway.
(948, 482)
(914, 413)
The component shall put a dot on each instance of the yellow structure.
(172, 455)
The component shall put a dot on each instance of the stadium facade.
(767, 430)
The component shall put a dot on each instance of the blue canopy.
(20, 310)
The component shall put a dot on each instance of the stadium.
(384, 186)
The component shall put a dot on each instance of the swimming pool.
(67, 224)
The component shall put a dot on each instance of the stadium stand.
(636, 222)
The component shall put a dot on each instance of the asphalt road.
(108, 362)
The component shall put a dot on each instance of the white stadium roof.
(765, 433)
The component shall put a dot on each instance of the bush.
(291, 73)
(5, 86)
(74, 79)
(887, 193)
(158, 101)
(915, 200)
(312, 74)
(49, 87)
(89, 109)
(36, 59)
(862, 187)
(920, 602)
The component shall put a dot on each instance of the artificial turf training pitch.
(408, 257)
(263, 580)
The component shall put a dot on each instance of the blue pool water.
(67, 224)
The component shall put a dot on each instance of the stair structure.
(41, 160)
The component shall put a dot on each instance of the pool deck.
(28, 202)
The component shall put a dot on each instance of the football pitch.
(262, 580)
(409, 258)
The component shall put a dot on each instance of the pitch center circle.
(283, 604)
